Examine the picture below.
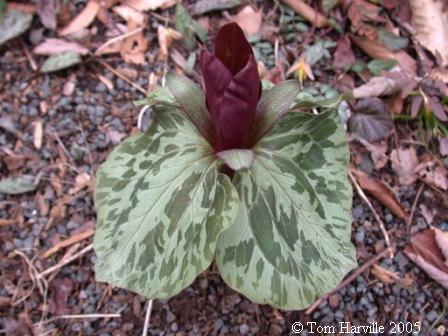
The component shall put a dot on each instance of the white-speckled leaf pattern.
(161, 206)
(291, 240)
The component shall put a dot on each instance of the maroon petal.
(216, 79)
(232, 48)
(236, 112)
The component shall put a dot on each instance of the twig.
(147, 318)
(77, 316)
(70, 241)
(375, 213)
(123, 77)
(349, 279)
(28, 55)
(62, 263)
(307, 12)
(118, 39)
(414, 205)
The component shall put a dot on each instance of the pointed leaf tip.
(237, 159)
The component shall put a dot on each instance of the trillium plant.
(231, 173)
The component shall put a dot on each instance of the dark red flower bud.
(232, 87)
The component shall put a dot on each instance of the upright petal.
(237, 109)
(216, 79)
(232, 48)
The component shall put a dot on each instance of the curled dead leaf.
(404, 163)
(54, 46)
(431, 24)
(83, 19)
(382, 193)
(249, 20)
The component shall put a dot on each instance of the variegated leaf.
(161, 206)
(291, 240)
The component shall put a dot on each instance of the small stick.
(414, 205)
(352, 277)
(147, 317)
(6, 222)
(28, 55)
(123, 77)
(375, 213)
(70, 241)
(118, 39)
(77, 316)
(307, 12)
(62, 263)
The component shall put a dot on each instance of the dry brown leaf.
(83, 19)
(433, 173)
(432, 271)
(376, 50)
(384, 275)
(442, 240)
(130, 14)
(69, 86)
(343, 55)
(431, 24)
(144, 5)
(133, 48)
(107, 82)
(38, 134)
(404, 163)
(82, 181)
(377, 152)
(429, 250)
(249, 20)
(382, 193)
(54, 46)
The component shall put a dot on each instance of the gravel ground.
(79, 131)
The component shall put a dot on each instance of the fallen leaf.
(145, 5)
(133, 48)
(377, 152)
(17, 185)
(378, 66)
(431, 24)
(443, 146)
(38, 134)
(53, 46)
(361, 13)
(372, 120)
(82, 181)
(427, 214)
(384, 274)
(13, 24)
(130, 14)
(60, 61)
(249, 20)
(107, 82)
(430, 254)
(48, 10)
(83, 19)
(308, 12)
(404, 163)
(69, 86)
(382, 193)
(376, 87)
(61, 290)
(343, 55)
(433, 173)
(205, 6)
(378, 51)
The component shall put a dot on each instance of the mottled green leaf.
(237, 159)
(205, 6)
(160, 96)
(274, 103)
(13, 24)
(291, 241)
(161, 205)
(191, 100)
(184, 24)
(60, 61)
(17, 185)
